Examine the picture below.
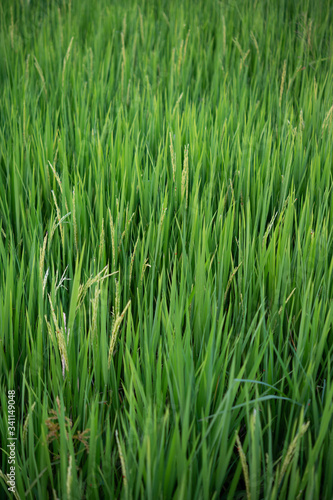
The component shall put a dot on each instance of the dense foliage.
(166, 271)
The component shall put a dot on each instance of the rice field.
(166, 264)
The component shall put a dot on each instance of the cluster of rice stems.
(166, 237)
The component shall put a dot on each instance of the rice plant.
(166, 266)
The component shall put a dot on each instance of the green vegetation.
(166, 270)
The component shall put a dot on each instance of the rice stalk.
(284, 72)
(315, 86)
(287, 299)
(60, 337)
(60, 219)
(244, 467)
(42, 258)
(127, 224)
(292, 79)
(40, 72)
(123, 465)
(114, 333)
(112, 239)
(45, 279)
(69, 481)
(11, 28)
(7, 481)
(243, 60)
(184, 185)
(291, 451)
(224, 31)
(176, 106)
(57, 178)
(186, 43)
(166, 18)
(124, 24)
(236, 42)
(268, 230)
(162, 216)
(254, 40)
(62, 280)
(101, 240)
(116, 303)
(173, 159)
(102, 275)
(60, 27)
(301, 121)
(231, 277)
(328, 119)
(65, 62)
(141, 25)
(132, 262)
(144, 267)
(180, 56)
(128, 93)
(26, 422)
(49, 329)
(122, 78)
(123, 52)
